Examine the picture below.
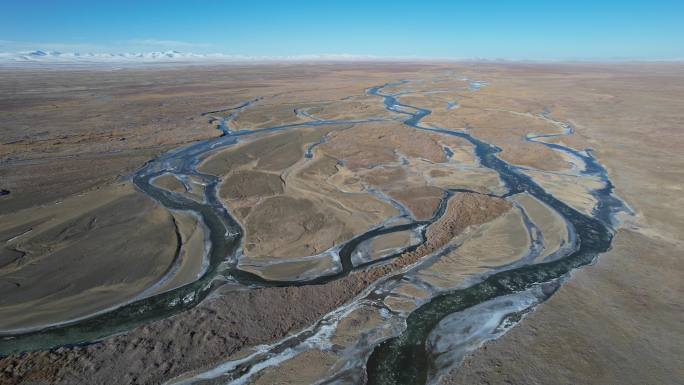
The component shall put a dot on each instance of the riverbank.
(618, 321)
(215, 329)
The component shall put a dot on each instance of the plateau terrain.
(424, 222)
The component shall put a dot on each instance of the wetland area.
(379, 223)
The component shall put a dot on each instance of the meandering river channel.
(414, 348)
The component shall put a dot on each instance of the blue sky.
(514, 29)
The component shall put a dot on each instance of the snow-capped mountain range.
(53, 57)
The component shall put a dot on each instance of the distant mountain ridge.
(48, 57)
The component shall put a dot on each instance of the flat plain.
(346, 199)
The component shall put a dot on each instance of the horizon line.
(57, 58)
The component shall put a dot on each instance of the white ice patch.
(463, 332)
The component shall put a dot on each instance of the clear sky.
(510, 29)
